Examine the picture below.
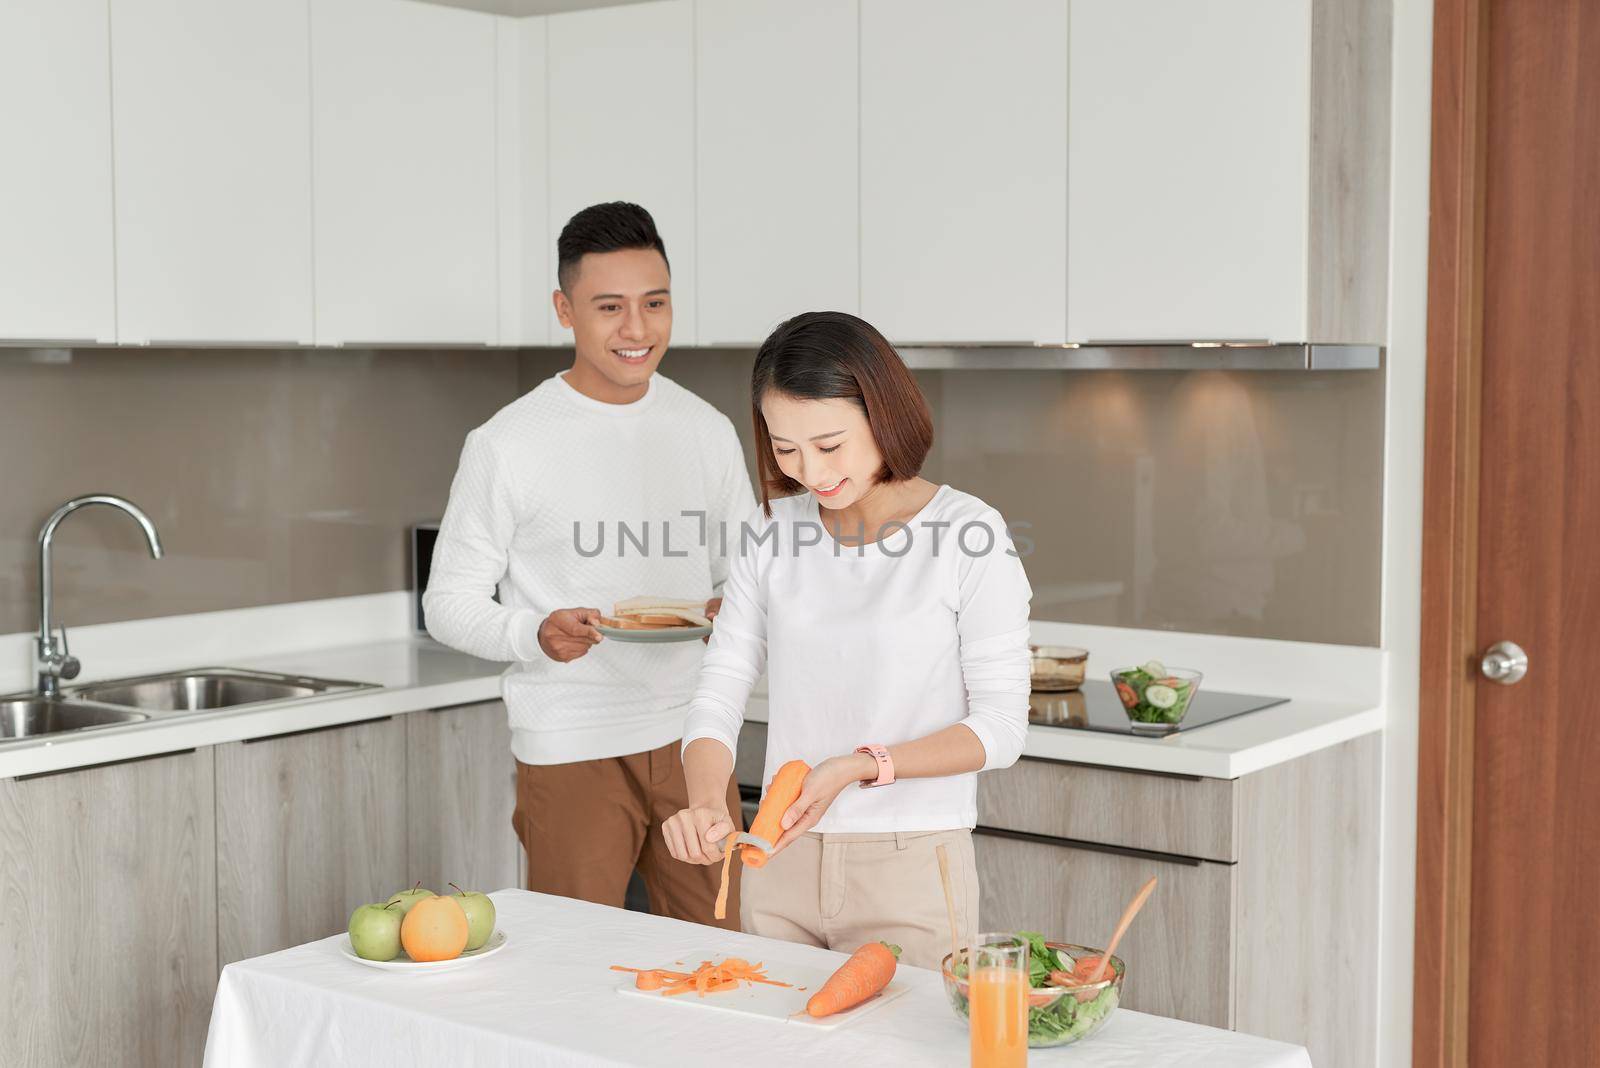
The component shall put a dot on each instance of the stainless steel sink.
(202, 689)
(29, 717)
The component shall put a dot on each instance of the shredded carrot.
(709, 978)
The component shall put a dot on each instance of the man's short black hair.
(608, 227)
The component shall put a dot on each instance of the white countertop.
(1334, 691)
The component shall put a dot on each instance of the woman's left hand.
(822, 785)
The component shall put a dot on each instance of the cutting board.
(778, 1003)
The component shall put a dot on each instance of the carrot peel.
(709, 978)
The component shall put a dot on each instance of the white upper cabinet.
(621, 127)
(1190, 138)
(524, 231)
(964, 170)
(213, 170)
(56, 271)
(404, 138)
(777, 164)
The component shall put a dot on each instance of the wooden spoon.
(1122, 928)
(949, 907)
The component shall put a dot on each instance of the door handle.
(1505, 663)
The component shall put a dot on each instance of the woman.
(891, 617)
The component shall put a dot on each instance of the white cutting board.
(783, 1004)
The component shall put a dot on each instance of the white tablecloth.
(549, 998)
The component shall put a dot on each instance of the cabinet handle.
(106, 764)
(317, 730)
(1093, 847)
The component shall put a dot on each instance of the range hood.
(1145, 356)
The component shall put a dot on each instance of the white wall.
(1402, 510)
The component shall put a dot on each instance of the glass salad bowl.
(1155, 696)
(1057, 1015)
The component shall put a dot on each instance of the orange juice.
(997, 1002)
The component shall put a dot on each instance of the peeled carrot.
(768, 824)
(709, 978)
(863, 976)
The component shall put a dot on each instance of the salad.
(1153, 693)
(1058, 1011)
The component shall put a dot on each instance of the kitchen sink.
(202, 689)
(29, 717)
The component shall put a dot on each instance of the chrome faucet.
(52, 660)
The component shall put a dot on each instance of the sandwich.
(656, 613)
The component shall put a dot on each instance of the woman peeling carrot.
(891, 618)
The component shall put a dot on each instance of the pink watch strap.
(885, 765)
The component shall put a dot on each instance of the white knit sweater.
(538, 488)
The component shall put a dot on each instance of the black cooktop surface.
(1095, 708)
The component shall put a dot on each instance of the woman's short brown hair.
(837, 356)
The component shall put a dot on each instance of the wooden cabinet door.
(213, 168)
(611, 139)
(309, 825)
(776, 172)
(964, 170)
(403, 134)
(461, 789)
(1179, 952)
(108, 913)
(1189, 194)
(56, 270)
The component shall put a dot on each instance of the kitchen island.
(549, 998)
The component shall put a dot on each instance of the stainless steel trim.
(218, 343)
(411, 345)
(50, 342)
(1168, 356)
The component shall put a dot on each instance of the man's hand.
(568, 633)
(713, 606)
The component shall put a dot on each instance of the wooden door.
(108, 914)
(461, 788)
(1509, 798)
(309, 825)
(1179, 954)
(1536, 794)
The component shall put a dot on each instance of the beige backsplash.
(273, 476)
(1244, 503)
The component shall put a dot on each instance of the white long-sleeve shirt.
(876, 644)
(538, 507)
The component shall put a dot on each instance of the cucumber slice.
(1064, 961)
(1155, 669)
(1159, 696)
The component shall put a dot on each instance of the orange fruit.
(434, 929)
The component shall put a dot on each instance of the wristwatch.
(885, 765)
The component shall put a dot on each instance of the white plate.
(665, 634)
(403, 963)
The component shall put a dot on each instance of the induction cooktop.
(1095, 707)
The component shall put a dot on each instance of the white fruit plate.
(403, 963)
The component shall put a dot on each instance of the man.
(572, 498)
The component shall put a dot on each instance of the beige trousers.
(839, 891)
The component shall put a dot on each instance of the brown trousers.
(587, 825)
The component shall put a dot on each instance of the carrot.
(721, 909)
(863, 976)
(709, 978)
(768, 824)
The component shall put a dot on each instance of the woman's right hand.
(694, 834)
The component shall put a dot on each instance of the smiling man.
(605, 445)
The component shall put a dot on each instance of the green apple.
(375, 931)
(480, 916)
(406, 898)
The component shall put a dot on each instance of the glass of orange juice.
(997, 1001)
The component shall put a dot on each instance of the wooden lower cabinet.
(1266, 925)
(107, 914)
(309, 825)
(1179, 952)
(461, 784)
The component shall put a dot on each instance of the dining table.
(550, 996)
